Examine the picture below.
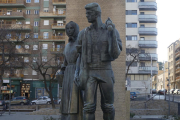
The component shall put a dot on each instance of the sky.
(168, 25)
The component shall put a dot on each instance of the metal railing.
(13, 13)
(147, 31)
(59, 1)
(147, 70)
(148, 43)
(55, 25)
(147, 5)
(146, 56)
(7, 1)
(52, 37)
(15, 26)
(56, 13)
(147, 18)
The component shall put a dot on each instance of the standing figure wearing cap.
(98, 44)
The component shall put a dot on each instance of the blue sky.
(168, 25)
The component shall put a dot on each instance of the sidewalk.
(24, 116)
(148, 116)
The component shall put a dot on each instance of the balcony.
(16, 26)
(147, 6)
(177, 62)
(177, 78)
(12, 3)
(177, 54)
(57, 50)
(178, 70)
(147, 31)
(147, 18)
(56, 26)
(12, 15)
(148, 44)
(147, 70)
(52, 15)
(147, 57)
(53, 38)
(59, 2)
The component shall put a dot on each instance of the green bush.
(132, 115)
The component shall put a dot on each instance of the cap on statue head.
(93, 6)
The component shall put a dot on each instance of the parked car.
(19, 100)
(133, 95)
(41, 100)
(177, 91)
(59, 101)
(154, 91)
(172, 91)
(161, 92)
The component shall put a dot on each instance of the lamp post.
(11, 73)
(58, 83)
(151, 77)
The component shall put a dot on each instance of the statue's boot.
(109, 116)
(88, 116)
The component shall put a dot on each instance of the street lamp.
(58, 82)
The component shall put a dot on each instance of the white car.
(41, 100)
(59, 101)
(176, 91)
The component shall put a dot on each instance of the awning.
(6, 91)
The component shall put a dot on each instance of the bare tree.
(47, 67)
(10, 37)
(132, 56)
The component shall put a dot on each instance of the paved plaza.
(25, 116)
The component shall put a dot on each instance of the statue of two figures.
(87, 65)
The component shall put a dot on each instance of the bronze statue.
(98, 45)
(70, 92)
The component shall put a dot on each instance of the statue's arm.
(116, 44)
(63, 66)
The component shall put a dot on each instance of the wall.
(153, 107)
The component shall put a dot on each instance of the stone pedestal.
(115, 9)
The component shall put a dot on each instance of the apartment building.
(141, 34)
(45, 20)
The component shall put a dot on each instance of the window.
(142, 26)
(131, 12)
(133, 37)
(26, 59)
(27, 22)
(142, 38)
(36, 12)
(8, 36)
(34, 59)
(46, 9)
(141, 13)
(46, 22)
(35, 47)
(44, 58)
(25, 72)
(45, 35)
(27, 35)
(19, 10)
(35, 35)
(45, 46)
(142, 0)
(36, 23)
(28, 1)
(46, 0)
(34, 72)
(131, 0)
(28, 12)
(60, 11)
(131, 25)
(18, 46)
(36, 1)
(26, 46)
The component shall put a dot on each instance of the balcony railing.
(52, 14)
(147, 18)
(148, 44)
(10, 15)
(147, 70)
(177, 62)
(12, 3)
(57, 26)
(16, 26)
(178, 78)
(178, 70)
(177, 54)
(147, 6)
(147, 31)
(59, 2)
(57, 50)
(52, 37)
(147, 57)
